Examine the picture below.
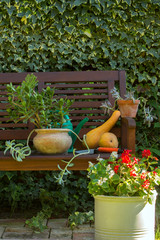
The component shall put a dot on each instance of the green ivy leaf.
(127, 1)
(87, 32)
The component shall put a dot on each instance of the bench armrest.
(128, 133)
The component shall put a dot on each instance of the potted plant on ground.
(48, 114)
(124, 192)
(128, 106)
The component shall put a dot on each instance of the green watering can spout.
(69, 125)
(77, 130)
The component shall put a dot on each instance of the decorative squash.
(108, 140)
(93, 136)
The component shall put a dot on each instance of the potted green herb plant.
(128, 106)
(48, 114)
(124, 192)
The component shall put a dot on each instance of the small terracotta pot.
(52, 141)
(128, 108)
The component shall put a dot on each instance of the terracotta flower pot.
(52, 141)
(128, 108)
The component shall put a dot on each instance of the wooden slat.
(90, 117)
(84, 76)
(104, 97)
(84, 104)
(88, 111)
(13, 125)
(6, 119)
(94, 124)
(2, 87)
(3, 106)
(4, 113)
(85, 91)
(4, 98)
(17, 134)
(46, 162)
(77, 85)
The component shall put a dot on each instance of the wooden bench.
(89, 89)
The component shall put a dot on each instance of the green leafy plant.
(38, 222)
(79, 218)
(26, 192)
(125, 176)
(40, 108)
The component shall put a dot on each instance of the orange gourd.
(108, 140)
(93, 136)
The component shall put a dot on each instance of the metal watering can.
(69, 125)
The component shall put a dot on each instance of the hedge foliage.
(56, 35)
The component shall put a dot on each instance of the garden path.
(57, 229)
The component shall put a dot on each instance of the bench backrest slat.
(89, 89)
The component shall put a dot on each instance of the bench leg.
(128, 133)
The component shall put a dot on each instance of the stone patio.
(57, 229)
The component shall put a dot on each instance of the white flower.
(105, 179)
(114, 155)
(100, 181)
(108, 167)
(157, 178)
(99, 158)
(111, 173)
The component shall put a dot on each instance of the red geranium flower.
(126, 152)
(154, 173)
(116, 168)
(146, 184)
(126, 159)
(133, 173)
(143, 175)
(146, 153)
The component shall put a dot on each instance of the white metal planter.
(124, 218)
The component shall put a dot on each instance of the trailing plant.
(38, 222)
(65, 171)
(79, 218)
(18, 151)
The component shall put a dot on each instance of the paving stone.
(83, 236)
(83, 232)
(1, 231)
(57, 223)
(44, 235)
(12, 222)
(17, 233)
(85, 228)
(61, 234)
